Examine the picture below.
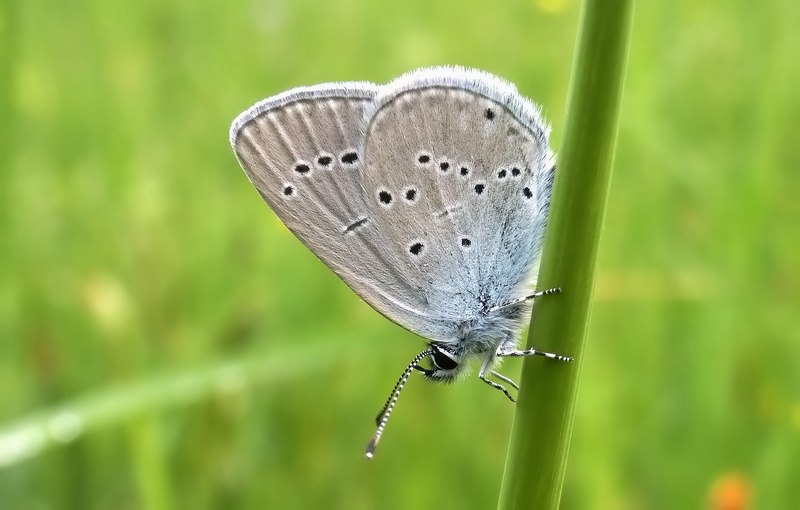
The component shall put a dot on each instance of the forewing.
(303, 151)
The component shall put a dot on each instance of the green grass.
(132, 250)
(539, 446)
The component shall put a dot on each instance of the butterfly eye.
(443, 360)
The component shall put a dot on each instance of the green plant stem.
(537, 453)
(149, 462)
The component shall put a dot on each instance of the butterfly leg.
(496, 386)
(505, 379)
(487, 368)
(537, 294)
(514, 353)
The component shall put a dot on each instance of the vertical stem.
(537, 454)
(151, 472)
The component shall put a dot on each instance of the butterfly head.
(446, 363)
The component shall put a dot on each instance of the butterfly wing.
(303, 152)
(458, 175)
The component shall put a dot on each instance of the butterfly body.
(428, 196)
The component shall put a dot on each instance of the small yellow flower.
(731, 491)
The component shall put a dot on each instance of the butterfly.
(427, 196)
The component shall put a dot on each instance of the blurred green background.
(166, 343)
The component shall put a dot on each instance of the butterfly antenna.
(388, 407)
(546, 292)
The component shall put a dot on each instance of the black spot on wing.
(349, 158)
(384, 197)
(416, 248)
(356, 224)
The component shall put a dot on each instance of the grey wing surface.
(303, 151)
(474, 155)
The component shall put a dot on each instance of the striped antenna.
(388, 407)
